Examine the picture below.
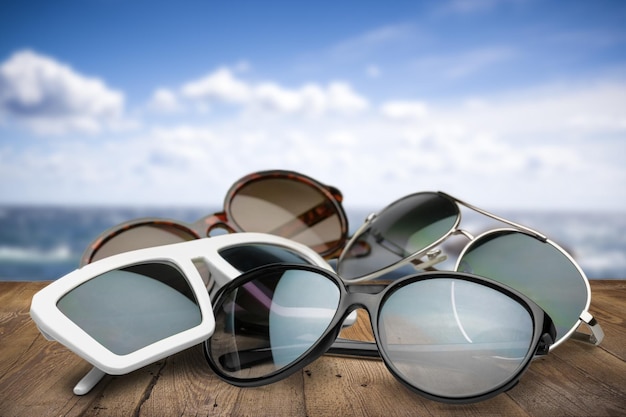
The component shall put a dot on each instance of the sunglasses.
(283, 203)
(519, 257)
(449, 336)
(132, 309)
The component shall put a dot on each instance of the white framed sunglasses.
(134, 308)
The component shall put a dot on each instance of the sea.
(43, 243)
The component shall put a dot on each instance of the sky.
(511, 104)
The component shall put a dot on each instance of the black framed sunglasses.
(449, 336)
(414, 226)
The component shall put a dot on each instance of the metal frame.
(435, 256)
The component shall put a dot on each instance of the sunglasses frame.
(414, 258)
(224, 219)
(333, 195)
(55, 326)
(372, 297)
(597, 334)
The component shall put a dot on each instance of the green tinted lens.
(538, 269)
(128, 309)
(404, 228)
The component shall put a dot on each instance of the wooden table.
(37, 377)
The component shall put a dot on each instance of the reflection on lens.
(288, 208)
(142, 236)
(405, 227)
(535, 268)
(128, 309)
(454, 338)
(250, 256)
(266, 324)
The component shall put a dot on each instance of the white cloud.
(222, 86)
(342, 98)
(408, 110)
(274, 97)
(165, 100)
(565, 111)
(548, 147)
(50, 97)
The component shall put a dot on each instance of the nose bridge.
(464, 233)
(364, 296)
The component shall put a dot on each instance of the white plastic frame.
(54, 325)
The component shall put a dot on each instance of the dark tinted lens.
(142, 236)
(128, 309)
(454, 338)
(250, 256)
(288, 208)
(266, 324)
(405, 227)
(535, 268)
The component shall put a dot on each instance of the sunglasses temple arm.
(597, 334)
(354, 348)
(493, 216)
(208, 223)
(243, 359)
(89, 381)
(429, 262)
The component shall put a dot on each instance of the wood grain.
(37, 377)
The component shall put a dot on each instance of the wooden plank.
(187, 384)
(608, 306)
(37, 377)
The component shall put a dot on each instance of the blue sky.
(504, 103)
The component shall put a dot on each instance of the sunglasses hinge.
(544, 345)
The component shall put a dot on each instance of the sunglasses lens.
(139, 237)
(250, 256)
(454, 338)
(537, 269)
(266, 324)
(144, 303)
(292, 209)
(405, 227)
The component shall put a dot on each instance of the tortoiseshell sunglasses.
(278, 202)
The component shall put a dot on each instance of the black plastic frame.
(371, 298)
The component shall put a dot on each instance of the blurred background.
(111, 110)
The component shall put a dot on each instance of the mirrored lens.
(405, 227)
(537, 269)
(142, 236)
(289, 208)
(250, 256)
(267, 323)
(128, 309)
(454, 338)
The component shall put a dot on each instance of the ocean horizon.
(43, 243)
